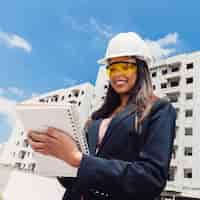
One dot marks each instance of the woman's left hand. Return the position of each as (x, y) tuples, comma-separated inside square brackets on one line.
[(55, 143)]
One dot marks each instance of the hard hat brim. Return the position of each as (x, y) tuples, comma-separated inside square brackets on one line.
[(104, 61)]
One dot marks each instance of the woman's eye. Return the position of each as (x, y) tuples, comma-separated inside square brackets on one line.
[(112, 69), (125, 67)]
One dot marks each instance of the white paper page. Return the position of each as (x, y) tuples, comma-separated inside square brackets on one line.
[(62, 117)]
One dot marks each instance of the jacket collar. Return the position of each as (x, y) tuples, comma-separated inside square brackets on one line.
[(93, 138)]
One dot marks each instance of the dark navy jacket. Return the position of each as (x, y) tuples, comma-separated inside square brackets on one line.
[(129, 164)]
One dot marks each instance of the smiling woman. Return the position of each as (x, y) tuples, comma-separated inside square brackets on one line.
[(130, 137)]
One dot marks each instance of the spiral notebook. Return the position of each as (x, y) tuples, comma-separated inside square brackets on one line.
[(64, 117)]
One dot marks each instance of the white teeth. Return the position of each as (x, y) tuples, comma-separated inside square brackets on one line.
[(120, 82)]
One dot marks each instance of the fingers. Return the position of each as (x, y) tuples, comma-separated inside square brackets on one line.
[(37, 136), (40, 142), (56, 133), (53, 132), (36, 145), (42, 151)]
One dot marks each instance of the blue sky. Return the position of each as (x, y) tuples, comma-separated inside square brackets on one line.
[(48, 45)]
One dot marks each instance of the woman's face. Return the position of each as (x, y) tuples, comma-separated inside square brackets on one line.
[(121, 82)]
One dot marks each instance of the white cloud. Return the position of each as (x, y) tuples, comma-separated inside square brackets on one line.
[(35, 94), (161, 48), (15, 91), (92, 26), (2, 91), (102, 29), (12, 91), (70, 82), (75, 25), (7, 108), (15, 41), (164, 46), (169, 39)]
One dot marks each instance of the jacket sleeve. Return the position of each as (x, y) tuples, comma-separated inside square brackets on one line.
[(147, 175)]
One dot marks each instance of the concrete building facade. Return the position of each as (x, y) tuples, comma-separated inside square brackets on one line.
[(176, 78)]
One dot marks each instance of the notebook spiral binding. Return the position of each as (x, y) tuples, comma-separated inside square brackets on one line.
[(78, 133)]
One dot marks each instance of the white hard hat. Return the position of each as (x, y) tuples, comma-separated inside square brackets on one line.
[(126, 44)]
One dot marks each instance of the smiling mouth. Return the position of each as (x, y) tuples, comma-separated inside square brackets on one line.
[(120, 82)]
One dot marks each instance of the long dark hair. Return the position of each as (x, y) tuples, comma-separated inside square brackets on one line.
[(140, 95)]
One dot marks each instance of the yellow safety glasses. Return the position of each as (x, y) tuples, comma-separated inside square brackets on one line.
[(123, 67)]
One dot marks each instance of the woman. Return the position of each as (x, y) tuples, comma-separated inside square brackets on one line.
[(130, 137)]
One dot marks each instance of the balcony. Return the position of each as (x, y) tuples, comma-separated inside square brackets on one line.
[(172, 86), (172, 70), (171, 89), (172, 186), (172, 75)]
